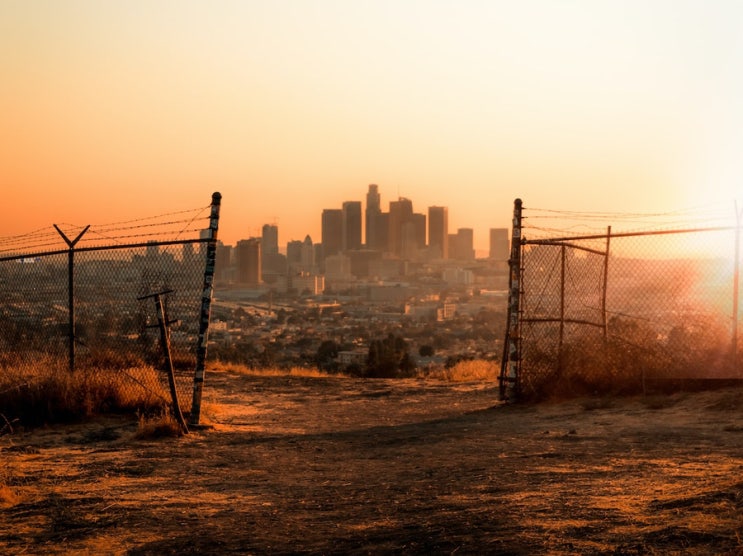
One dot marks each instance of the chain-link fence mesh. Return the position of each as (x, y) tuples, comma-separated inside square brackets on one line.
[(624, 311), (115, 330)]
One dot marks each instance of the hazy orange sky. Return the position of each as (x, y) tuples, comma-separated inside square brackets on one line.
[(112, 110)]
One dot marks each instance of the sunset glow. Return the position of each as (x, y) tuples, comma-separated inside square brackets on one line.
[(117, 109)]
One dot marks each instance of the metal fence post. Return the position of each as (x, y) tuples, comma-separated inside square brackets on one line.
[(511, 362), (736, 285), (206, 302), (71, 290)]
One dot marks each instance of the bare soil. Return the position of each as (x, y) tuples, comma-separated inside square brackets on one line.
[(295, 465)]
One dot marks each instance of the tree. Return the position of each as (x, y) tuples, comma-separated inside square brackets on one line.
[(387, 357), (326, 355)]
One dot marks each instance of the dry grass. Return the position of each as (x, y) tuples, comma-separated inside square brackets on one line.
[(467, 371), (161, 425), (46, 392), (271, 371), (464, 371)]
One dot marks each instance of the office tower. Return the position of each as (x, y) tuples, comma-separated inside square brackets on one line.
[(308, 254), (500, 249), (332, 232), (438, 231), (461, 246), (294, 253), (248, 261), (419, 229), (401, 212), (351, 225), (270, 239), (222, 261), (373, 219)]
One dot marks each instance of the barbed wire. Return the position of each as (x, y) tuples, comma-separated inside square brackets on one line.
[(568, 222), (162, 225)]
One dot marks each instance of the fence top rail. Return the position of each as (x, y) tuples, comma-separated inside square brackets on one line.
[(607, 234), (23, 256)]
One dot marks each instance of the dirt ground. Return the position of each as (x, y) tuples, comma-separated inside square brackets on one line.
[(296, 465)]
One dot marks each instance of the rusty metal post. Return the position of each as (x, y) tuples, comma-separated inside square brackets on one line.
[(736, 285), (164, 324), (511, 361), (71, 291), (561, 337), (604, 295), (206, 302)]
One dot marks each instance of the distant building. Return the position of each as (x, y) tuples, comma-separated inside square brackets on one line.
[(351, 227), (294, 253), (419, 230), (307, 284), (270, 239), (338, 267), (332, 232), (458, 276), (301, 255), (223, 262), (438, 231), (401, 213), (308, 254), (248, 261), (500, 249), (374, 235), (461, 245)]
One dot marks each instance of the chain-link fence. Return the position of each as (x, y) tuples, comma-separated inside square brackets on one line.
[(622, 311), (85, 307)]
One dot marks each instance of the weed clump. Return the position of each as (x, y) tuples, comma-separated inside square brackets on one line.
[(159, 425), (49, 393)]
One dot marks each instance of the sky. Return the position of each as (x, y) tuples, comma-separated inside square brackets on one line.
[(112, 110)]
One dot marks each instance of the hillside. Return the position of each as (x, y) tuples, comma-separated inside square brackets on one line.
[(339, 465)]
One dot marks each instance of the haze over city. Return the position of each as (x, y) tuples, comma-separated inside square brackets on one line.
[(117, 110)]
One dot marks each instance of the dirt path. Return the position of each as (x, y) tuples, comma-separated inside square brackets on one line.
[(338, 466)]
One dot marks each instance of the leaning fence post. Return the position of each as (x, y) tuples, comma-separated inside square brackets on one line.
[(164, 325), (511, 362), (71, 290), (736, 285), (206, 303)]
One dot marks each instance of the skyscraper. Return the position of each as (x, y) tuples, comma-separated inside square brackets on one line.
[(248, 261), (308, 254), (465, 239), (499, 244), (270, 239), (294, 253), (351, 225), (401, 212), (332, 232), (373, 219), (438, 231)]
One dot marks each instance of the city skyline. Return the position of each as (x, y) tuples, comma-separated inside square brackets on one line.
[(343, 229), (114, 110)]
